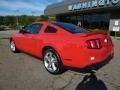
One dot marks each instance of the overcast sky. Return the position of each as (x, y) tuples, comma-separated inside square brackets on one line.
[(24, 7)]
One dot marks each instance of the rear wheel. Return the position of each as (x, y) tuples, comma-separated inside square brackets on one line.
[(13, 47), (52, 62)]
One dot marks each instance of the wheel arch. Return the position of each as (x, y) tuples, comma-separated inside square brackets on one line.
[(55, 49), (11, 39), (47, 47)]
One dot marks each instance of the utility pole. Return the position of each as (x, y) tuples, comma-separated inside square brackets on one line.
[(32, 12), (17, 19)]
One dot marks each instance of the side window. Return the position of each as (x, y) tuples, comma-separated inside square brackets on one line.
[(50, 30), (34, 28)]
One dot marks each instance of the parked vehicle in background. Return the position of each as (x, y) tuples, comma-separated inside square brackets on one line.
[(4, 28), (62, 44)]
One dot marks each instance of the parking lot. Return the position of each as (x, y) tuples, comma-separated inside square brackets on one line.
[(23, 72)]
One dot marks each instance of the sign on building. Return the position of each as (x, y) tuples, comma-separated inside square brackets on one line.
[(114, 25), (92, 4)]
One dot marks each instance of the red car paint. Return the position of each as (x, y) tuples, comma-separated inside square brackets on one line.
[(72, 48)]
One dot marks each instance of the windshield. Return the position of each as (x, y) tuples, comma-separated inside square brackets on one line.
[(70, 27)]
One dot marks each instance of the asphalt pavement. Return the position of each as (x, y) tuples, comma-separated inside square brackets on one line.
[(21, 71)]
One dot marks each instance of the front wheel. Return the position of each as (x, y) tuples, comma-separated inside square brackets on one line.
[(13, 47), (52, 62)]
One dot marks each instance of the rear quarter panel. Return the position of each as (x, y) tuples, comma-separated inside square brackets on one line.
[(62, 42)]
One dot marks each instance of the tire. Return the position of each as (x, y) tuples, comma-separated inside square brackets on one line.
[(13, 47), (52, 62)]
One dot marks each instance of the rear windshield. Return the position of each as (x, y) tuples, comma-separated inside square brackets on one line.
[(70, 27)]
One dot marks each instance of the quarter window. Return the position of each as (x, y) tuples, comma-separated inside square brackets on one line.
[(50, 30)]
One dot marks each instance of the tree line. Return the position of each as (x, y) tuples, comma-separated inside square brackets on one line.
[(14, 21)]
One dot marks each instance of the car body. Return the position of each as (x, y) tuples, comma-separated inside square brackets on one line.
[(77, 49)]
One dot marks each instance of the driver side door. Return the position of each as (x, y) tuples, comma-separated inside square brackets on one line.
[(29, 38)]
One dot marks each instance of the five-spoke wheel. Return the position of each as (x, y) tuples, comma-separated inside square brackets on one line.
[(52, 62)]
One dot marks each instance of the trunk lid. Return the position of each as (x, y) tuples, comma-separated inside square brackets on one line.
[(98, 39)]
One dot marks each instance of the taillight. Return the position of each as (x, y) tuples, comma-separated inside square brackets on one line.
[(94, 44), (107, 40)]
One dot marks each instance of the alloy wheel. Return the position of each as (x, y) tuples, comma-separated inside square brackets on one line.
[(50, 61)]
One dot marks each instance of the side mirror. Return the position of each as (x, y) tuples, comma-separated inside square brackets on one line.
[(22, 31)]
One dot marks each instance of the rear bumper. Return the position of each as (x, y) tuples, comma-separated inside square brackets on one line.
[(95, 66), (99, 65), (82, 58)]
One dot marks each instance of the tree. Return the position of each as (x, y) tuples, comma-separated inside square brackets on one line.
[(42, 18), (52, 19), (23, 20)]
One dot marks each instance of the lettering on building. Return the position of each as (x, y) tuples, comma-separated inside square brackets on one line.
[(92, 4)]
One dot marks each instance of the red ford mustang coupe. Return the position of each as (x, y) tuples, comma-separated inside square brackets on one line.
[(62, 44)]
